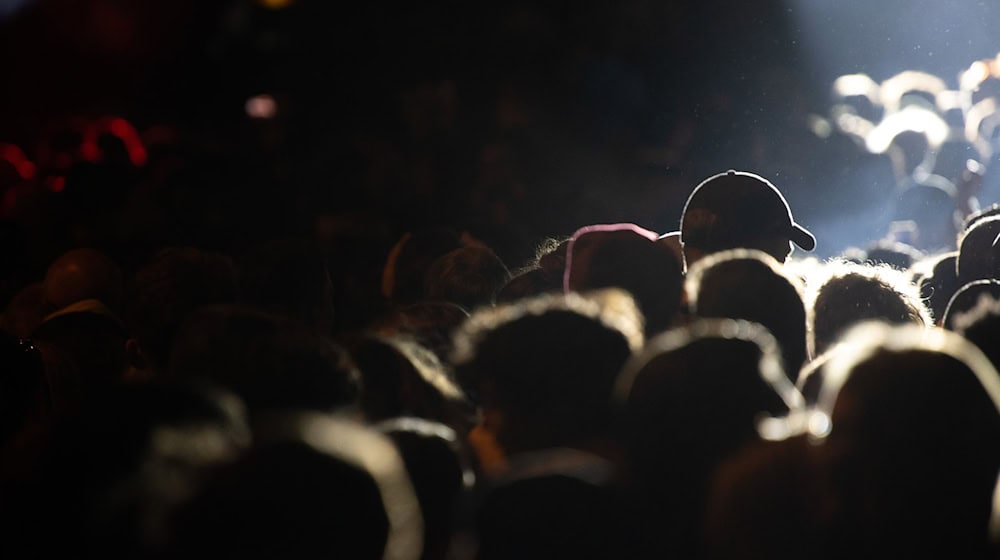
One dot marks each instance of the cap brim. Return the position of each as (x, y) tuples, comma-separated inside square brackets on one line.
[(801, 237)]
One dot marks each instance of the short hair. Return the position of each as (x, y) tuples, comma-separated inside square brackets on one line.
[(937, 286), (273, 363), (739, 209), (845, 294), (628, 257), (543, 274), (981, 326), (979, 252), (914, 415), (967, 297), (548, 364), (751, 285), (401, 378), (693, 398), (470, 277), (317, 485)]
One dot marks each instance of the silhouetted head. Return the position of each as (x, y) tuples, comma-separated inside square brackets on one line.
[(440, 472), (937, 286), (693, 398), (968, 297), (270, 362), (929, 202), (981, 326), (470, 277), (845, 294), (543, 275), (313, 487), (628, 257), (979, 252), (401, 378), (695, 394), (543, 369), (750, 285), (739, 210), (910, 441), (108, 479), (406, 266), (82, 274), (991, 211)]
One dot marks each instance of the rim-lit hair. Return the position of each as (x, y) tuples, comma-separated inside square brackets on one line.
[(612, 307), (868, 339), (769, 366)]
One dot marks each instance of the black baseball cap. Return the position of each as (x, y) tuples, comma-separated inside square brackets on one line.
[(730, 210)]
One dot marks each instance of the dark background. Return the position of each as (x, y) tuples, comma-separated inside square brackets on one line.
[(515, 120)]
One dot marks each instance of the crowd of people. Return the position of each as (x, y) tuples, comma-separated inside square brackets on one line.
[(172, 391)]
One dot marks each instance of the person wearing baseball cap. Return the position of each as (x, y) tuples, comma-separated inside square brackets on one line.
[(737, 209)]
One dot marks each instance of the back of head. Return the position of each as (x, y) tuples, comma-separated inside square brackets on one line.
[(929, 202), (739, 210), (79, 275), (543, 369), (695, 394), (407, 264), (175, 283), (272, 363), (544, 274), (108, 479), (326, 488), (981, 326), (470, 277), (915, 415), (750, 285), (401, 378), (849, 294), (979, 252), (968, 297), (628, 257), (937, 287), (693, 398)]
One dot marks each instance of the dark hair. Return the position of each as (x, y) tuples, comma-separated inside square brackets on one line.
[(470, 277), (406, 267), (627, 257), (846, 294), (937, 287), (175, 283), (272, 363), (316, 487), (749, 284), (401, 378), (548, 365)]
